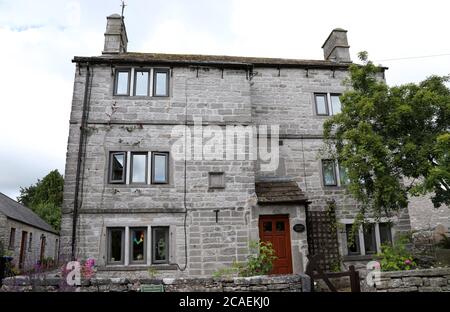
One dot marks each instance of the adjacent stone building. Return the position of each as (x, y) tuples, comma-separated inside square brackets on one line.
[(25, 236), (131, 204)]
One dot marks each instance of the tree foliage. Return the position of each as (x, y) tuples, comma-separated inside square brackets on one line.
[(45, 198), (394, 141)]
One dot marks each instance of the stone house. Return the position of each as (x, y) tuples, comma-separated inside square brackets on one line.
[(130, 204), (25, 236)]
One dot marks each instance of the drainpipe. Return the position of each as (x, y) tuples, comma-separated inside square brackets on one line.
[(83, 128)]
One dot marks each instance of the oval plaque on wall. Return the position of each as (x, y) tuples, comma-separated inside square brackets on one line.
[(299, 228)]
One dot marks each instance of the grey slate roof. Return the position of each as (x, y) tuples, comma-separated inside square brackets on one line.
[(19, 212), (272, 192), (198, 59)]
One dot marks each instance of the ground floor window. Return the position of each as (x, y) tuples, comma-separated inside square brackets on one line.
[(160, 244), (368, 238), (138, 242), (116, 245), (138, 245)]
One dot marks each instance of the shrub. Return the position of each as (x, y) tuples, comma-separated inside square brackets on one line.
[(396, 257), (260, 262)]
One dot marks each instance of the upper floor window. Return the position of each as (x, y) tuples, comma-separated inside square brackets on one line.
[(122, 82), (333, 173), (117, 167), (160, 167), (132, 167), (142, 82), (139, 167), (161, 82), (321, 100), (327, 104)]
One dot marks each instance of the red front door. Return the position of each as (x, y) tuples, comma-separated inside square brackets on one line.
[(275, 229)]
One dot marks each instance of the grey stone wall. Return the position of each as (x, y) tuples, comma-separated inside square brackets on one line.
[(282, 97), (280, 283), (429, 280)]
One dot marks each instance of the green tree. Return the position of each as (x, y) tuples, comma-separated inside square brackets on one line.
[(45, 198), (394, 141)]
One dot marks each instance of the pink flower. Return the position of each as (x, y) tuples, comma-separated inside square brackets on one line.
[(408, 262)]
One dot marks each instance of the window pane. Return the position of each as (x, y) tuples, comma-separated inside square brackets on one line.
[(369, 239), (122, 83), (141, 83), (335, 104), (160, 168), (329, 175), (116, 245), (139, 162), (385, 234), (138, 242), (12, 238), (321, 104), (279, 226), (160, 244), (267, 226), (352, 241), (343, 175), (118, 167), (161, 84)]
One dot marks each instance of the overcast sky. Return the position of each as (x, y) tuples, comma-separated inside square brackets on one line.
[(39, 38)]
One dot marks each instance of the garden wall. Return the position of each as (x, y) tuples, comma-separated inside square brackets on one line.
[(279, 283), (427, 280)]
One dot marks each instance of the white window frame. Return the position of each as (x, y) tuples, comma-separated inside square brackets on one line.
[(362, 246)]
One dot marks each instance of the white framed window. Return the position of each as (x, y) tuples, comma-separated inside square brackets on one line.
[(327, 104), (367, 239)]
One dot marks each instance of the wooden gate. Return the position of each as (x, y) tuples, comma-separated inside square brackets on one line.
[(322, 238)]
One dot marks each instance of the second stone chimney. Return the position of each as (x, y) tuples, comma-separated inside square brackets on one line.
[(336, 47), (116, 39)]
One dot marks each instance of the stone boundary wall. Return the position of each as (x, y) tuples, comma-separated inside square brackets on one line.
[(426, 280), (278, 283)]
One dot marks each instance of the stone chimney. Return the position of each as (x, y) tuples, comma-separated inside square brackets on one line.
[(336, 47), (116, 39)]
